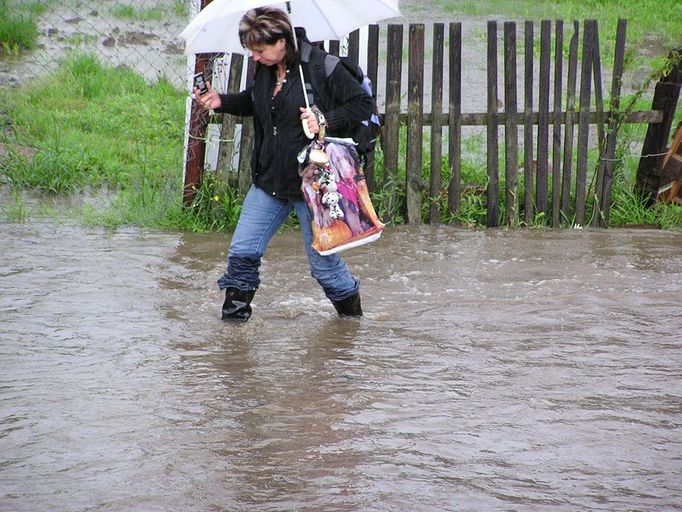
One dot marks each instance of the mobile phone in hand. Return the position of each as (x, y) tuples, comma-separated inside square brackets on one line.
[(200, 83)]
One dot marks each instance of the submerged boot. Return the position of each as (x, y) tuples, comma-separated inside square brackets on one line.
[(237, 306), (350, 306)]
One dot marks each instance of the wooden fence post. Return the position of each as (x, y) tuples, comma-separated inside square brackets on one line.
[(196, 143), (584, 121), (606, 163), (246, 145), (528, 165), (511, 136), (601, 138), (493, 191), (543, 116), (391, 133), (415, 112), (556, 133), (571, 83), (455, 118), (436, 121), (666, 95), (372, 70), (354, 46)]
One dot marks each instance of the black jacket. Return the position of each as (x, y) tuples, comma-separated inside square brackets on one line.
[(279, 135)]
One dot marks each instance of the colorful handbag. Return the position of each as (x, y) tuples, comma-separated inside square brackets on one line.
[(334, 188)]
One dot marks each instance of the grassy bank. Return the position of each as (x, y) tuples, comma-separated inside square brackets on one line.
[(18, 27), (91, 126)]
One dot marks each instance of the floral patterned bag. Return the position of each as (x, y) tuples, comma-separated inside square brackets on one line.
[(334, 188)]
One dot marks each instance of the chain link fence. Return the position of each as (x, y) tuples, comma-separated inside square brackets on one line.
[(140, 34)]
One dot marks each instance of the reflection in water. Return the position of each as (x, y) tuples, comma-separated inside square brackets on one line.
[(493, 370)]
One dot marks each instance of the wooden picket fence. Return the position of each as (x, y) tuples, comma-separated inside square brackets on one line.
[(555, 185)]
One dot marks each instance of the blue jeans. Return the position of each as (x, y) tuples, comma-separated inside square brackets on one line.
[(261, 217)]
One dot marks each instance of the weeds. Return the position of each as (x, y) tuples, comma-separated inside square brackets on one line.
[(18, 27)]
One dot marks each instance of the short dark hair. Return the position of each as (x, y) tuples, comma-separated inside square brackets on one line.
[(267, 25)]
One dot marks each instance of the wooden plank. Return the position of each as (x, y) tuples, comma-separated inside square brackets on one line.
[(228, 125), (493, 192), (454, 120), (354, 46), (666, 95), (598, 91), (583, 122), (392, 121), (609, 163), (481, 118), (415, 110), (195, 156), (556, 120), (511, 136), (372, 68), (599, 103), (246, 145), (334, 47), (195, 149), (543, 111), (436, 125), (528, 123), (371, 72)]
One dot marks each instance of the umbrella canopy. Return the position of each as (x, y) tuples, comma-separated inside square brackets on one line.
[(215, 28)]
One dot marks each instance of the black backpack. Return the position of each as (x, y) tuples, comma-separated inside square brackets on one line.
[(320, 66)]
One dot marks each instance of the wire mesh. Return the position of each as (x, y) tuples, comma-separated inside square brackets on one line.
[(140, 34)]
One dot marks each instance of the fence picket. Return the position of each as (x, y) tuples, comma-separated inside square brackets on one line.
[(556, 134), (528, 166), (571, 82), (583, 122), (415, 111), (493, 189), (354, 46), (511, 135), (247, 140), (436, 123), (391, 134), (372, 71), (599, 102), (455, 118), (614, 121), (543, 110)]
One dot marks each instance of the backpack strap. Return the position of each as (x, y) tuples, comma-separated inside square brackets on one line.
[(313, 64)]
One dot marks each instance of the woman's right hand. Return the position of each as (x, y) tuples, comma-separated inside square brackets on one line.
[(208, 101)]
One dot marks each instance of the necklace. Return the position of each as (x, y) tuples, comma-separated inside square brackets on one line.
[(282, 79)]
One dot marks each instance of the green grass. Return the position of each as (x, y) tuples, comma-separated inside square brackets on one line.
[(95, 126), (18, 28), (129, 13), (155, 13), (648, 21), (102, 128)]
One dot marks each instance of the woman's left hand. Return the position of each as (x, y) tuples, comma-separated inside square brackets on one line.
[(308, 117)]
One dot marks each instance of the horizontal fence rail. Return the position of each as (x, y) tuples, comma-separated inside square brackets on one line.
[(553, 112)]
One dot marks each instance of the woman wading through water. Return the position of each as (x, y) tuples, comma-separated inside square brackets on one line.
[(274, 99)]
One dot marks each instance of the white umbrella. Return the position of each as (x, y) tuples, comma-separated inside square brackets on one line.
[(215, 28)]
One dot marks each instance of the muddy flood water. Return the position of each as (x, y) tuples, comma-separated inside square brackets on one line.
[(493, 370)]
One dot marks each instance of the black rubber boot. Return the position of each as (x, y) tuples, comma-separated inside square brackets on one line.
[(350, 306), (237, 306)]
